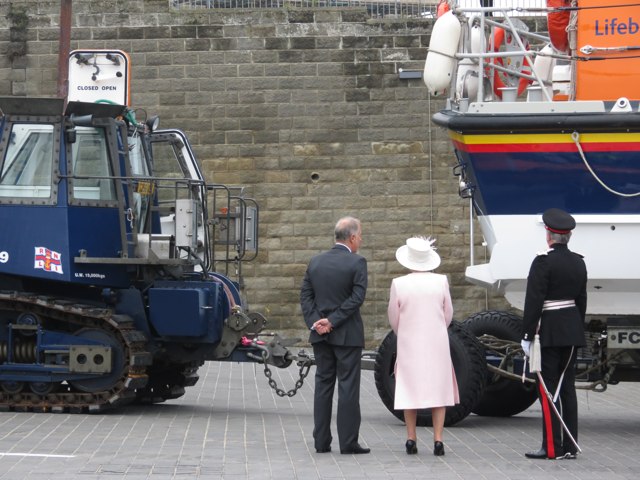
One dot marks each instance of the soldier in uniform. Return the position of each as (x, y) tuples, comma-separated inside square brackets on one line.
[(555, 306)]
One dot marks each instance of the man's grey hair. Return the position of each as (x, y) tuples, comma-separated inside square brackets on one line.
[(346, 227), (560, 237)]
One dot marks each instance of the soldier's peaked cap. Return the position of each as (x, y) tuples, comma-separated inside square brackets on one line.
[(558, 221)]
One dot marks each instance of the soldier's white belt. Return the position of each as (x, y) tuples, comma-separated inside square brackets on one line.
[(557, 304)]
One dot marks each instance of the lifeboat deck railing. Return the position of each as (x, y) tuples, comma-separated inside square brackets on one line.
[(375, 8), (486, 61)]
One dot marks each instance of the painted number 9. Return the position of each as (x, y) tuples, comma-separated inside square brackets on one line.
[(4, 257)]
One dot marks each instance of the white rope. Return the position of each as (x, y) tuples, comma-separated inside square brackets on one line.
[(557, 393), (575, 136)]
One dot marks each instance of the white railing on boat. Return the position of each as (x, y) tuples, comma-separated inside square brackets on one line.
[(515, 8), (521, 61)]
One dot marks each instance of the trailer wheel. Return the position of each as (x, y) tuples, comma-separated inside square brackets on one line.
[(467, 355), (502, 397)]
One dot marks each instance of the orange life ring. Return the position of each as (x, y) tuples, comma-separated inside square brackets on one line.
[(557, 23), (443, 7), (498, 40)]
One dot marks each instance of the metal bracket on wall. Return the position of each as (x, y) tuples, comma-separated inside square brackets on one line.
[(408, 74)]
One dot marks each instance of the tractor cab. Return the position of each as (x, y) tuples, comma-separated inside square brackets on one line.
[(92, 196)]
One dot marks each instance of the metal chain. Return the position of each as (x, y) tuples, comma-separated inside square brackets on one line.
[(305, 365)]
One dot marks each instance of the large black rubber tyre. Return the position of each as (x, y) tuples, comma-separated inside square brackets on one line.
[(502, 397), (467, 355)]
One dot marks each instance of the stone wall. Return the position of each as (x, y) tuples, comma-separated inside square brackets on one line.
[(304, 107)]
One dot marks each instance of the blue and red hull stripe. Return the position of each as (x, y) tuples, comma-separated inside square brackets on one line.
[(525, 173)]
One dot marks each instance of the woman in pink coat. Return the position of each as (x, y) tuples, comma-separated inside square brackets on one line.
[(419, 312)]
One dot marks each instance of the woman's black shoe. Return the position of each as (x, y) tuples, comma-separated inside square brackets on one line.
[(438, 449), (411, 447)]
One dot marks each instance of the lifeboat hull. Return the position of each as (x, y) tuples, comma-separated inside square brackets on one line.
[(517, 166)]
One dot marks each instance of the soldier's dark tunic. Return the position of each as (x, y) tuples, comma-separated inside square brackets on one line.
[(557, 298)]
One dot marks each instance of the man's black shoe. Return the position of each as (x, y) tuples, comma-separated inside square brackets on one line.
[(539, 454), (323, 450), (356, 449)]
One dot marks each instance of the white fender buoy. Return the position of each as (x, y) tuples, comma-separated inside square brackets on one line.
[(543, 66), (478, 40), (440, 62)]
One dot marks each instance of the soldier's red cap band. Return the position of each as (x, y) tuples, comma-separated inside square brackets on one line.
[(559, 232)]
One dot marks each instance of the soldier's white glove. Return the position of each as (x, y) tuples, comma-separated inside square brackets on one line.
[(526, 344)]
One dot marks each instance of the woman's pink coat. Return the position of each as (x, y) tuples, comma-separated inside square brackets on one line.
[(420, 311)]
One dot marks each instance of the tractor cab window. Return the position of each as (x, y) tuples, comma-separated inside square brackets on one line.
[(177, 176), (143, 187), (181, 190), (169, 167), (27, 165), (92, 172)]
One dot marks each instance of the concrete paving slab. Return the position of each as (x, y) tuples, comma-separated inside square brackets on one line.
[(232, 425)]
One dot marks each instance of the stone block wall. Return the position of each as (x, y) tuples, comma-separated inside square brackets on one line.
[(303, 107)]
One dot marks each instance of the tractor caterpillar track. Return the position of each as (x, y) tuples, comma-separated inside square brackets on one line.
[(75, 316)]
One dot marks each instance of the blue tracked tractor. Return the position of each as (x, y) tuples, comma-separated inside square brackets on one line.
[(114, 260)]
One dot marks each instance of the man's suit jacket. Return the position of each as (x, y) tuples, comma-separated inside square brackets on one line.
[(334, 287)]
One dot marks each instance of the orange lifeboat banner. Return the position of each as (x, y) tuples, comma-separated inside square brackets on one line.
[(617, 74)]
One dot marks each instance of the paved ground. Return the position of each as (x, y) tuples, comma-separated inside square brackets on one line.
[(232, 426)]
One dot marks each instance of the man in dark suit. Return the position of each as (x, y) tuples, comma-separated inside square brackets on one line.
[(555, 306), (333, 290)]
